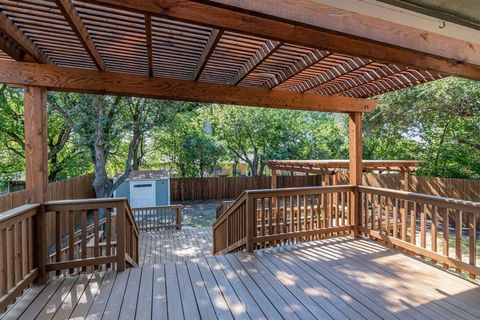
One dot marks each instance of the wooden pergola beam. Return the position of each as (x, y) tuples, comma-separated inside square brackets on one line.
[(14, 39), (73, 18), (105, 82), (265, 51), (207, 52), (229, 16)]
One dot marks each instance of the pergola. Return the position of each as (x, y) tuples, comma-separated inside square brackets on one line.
[(332, 167), (258, 53)]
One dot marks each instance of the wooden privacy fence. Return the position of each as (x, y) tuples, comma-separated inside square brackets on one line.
[(157, 218), (422, 224), (231, 187), (182, 189), (467, 189), (266, 218), (89, 234), (75, 188)]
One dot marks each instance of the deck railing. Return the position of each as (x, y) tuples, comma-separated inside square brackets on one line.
[(157, 218), (223, 207), (436, 228), (266, 218), (18, 266), (90, 234)]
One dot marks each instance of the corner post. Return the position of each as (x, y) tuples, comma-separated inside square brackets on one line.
[(355, 167), (274, 179), (178, 221), (36, 170), (250, 220), (405, 180), (121, 241)]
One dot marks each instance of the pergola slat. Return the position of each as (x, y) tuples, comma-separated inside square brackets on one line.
[(12, 33), (71, 15), (217, 15)]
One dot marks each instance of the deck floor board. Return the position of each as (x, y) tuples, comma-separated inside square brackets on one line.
[(342, 278)]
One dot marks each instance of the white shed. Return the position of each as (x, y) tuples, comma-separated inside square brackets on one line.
[(146, 189)]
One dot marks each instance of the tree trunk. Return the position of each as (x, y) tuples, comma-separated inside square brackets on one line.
[(100, 184)]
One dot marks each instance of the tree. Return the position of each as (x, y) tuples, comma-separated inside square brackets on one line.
[(61, 155), (106, 124), (437, 122), (255, 135), (185, 143)]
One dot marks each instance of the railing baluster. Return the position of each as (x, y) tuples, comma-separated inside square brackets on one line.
[(434, 236), (445, 227), (96, 230), (372, 211), (305, 218), (25, 247), (458, 237), (387, 212), (58, 239), (423, 231), (3, 262), (71, 237), (291, 226), (10, 257), (378, 205), (404, 219), (395, 218), (413, 223), (108, 230), (18, 251), (472, 230)]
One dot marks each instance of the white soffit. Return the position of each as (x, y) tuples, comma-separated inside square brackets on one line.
[(406, 17)]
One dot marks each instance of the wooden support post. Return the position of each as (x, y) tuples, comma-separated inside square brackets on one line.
[(36, 168), (405, 180), (355, 166), (274, 179), (36, 144)]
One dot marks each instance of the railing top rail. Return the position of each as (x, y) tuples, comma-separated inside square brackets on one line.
[(302, 190), (84, 204), (12, 213), (131, 217), (241, 198), (459, 204), (174, 206), (81, 201)]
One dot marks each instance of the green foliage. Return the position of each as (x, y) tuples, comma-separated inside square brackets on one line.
[(185, 143), (438, 122)]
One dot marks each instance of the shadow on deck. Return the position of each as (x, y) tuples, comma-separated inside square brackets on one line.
[(342, 278)]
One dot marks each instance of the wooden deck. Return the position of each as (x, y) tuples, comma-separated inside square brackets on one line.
[(158, 247), (341, 278)]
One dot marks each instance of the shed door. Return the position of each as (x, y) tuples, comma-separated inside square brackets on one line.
[(142, 194)]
